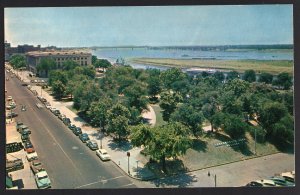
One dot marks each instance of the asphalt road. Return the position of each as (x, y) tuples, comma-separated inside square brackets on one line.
[(69, 163)]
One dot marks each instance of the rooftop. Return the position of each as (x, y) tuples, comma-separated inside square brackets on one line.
[(57, 53)]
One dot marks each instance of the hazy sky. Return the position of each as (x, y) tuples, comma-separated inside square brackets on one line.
[(154, 26)]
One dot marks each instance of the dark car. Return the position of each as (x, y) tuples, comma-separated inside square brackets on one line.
[(281, 181), (71, 127), (77, 131), (84, 137), (28, 147), (25, 132), (25, 138), (56, 112), (66, 121), (19, 123), (92, 144), (11, 114)]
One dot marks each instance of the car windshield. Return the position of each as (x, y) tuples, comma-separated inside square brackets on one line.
[(37, 163), (43, 177)]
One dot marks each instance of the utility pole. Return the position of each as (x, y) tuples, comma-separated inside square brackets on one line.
[(128, 154)]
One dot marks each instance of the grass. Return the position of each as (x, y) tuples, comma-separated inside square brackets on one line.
[(270, 66), (159, 119)]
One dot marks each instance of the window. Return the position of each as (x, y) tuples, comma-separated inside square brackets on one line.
[(85, 63)]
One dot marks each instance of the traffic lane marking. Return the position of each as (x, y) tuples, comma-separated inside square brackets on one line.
[(103, 181)]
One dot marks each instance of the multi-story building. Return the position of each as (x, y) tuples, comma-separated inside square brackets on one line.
[(34, 58)]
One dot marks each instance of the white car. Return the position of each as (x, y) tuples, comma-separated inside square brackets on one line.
[(32, 156), (42, 180), (47, 104), (52, 109), (102, 153), (9, 98)]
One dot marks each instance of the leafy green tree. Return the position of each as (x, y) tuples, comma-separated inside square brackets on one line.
[(190, 117), (168, 141), (170, 76), (118, 119), (168, 103), (57, 75), (85, 70), (102, 63), (94, 59), (283, 80), (58, 89), (219, 76), (154, 87), (234, 126), (272, 112), (135, 116), (45, 65), (141, 135), (233, 75), (135, 95), (69, 65), (204, 74), (181, 87), (209, 110), (265, 78), (218, 120), (98, 112), (250, 76), (17, 61), (260, 133), (237, 86), (283, 130)]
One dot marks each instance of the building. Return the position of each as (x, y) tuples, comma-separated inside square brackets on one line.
[(34, 58), (20, 49)]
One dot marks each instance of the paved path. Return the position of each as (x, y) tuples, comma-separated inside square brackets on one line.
[(150, 116)]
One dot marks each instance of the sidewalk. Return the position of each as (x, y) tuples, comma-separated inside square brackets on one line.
[(118, 153)]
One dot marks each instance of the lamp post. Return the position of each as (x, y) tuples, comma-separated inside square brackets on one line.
[(215, 178), (137, 165), (128, 155), (255, 141), (100, 135)]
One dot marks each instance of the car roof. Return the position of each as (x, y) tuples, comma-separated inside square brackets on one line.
[(42, 174), (102, 150), (32, 154)]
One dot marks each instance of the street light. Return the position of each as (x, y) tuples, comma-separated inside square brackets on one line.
[(255, 141), (215, 178)]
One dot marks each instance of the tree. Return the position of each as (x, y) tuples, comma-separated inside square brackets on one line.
[(85, 70), (69, 65), (135, 95), (265, 78), (250, 76), (45, 65), (98, 112), (57, 75), (94, 59), (118, 118), (141, 135), (58, 89), (190, 117), (283, 131), (233, 75), (208, 110), (271, 113), (283, 80), (237, 86), (167, 141), (234, 126), (154, 87), (170, 76), (168, 103), (17, 61), (219, 76), (102, 63)]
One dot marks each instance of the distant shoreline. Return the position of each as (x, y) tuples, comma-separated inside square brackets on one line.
[(259, 66)]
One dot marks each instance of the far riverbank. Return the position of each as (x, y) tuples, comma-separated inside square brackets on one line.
[(259, 66)]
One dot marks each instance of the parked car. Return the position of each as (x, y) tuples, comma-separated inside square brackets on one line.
[(9, 98), (32, 156), (28, 147), (61, 116), (20, 127), (92, 144), (42, 180), (56, 112), (102, 153), (77, 131), (84, 137), (42, 99), (25, 131), (48, 105), (267, 182), (71, 127), (11, 114), (66, 121), (36, 166), (25, 138), (254, 184), (289, 176), (52, 109), (281, 181)]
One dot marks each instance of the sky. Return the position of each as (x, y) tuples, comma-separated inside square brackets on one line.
[(151, 26)]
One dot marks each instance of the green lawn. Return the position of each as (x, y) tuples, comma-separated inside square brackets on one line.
[(159, 119)]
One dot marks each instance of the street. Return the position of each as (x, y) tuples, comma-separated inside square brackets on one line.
[(69, 163)]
